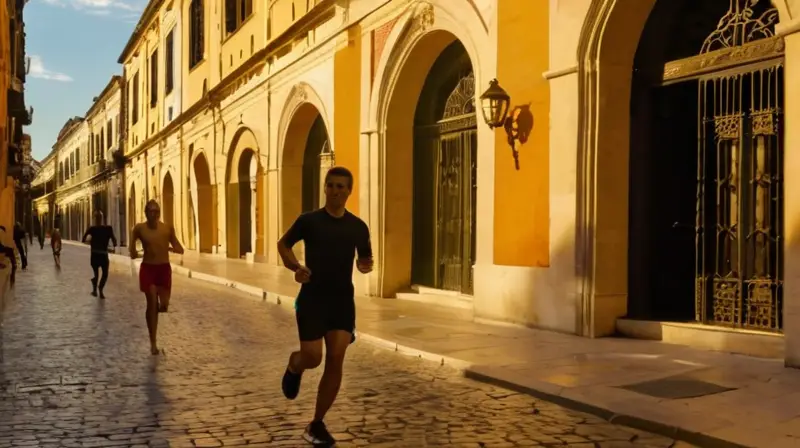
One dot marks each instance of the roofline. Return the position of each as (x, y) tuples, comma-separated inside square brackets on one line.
[(69, 132), (114, 81), (148, 13)]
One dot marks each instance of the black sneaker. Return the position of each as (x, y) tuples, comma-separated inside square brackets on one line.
[(317, 434), (291, 384)]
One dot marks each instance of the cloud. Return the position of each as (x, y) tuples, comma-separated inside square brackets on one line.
[(37, 70), (101, 7)]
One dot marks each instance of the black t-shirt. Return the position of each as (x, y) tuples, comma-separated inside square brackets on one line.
[(101, 235), (331, 244)]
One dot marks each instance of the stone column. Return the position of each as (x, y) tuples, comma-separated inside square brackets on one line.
[(791, 188)]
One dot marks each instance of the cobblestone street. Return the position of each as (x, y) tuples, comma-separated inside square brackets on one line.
[(76, 371)]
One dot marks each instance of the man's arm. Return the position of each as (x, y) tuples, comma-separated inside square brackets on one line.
[(132, 241), (83, 240), (288, 240), (173, 240), (364, 250)]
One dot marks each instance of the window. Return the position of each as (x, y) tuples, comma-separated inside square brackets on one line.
[(77, 158), (135, 105), (109, 134), (196, 37), (154, 78), (90, 147), (169, 59), (236, 12)]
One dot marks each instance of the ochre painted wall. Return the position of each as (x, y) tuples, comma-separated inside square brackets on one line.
[(521, 198), (347, 108)]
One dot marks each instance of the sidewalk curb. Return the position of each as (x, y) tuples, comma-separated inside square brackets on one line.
[(466, 368), (671, 431)]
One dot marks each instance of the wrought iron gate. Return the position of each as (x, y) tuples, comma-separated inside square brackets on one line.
[(455, 189), (739, 225)]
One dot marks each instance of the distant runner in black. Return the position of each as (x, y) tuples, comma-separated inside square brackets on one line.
[(98, 237), (325, 307)]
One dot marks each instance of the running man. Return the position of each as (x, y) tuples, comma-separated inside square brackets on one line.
[(99, 236), (55, 244), (325, 307), (155, 274)]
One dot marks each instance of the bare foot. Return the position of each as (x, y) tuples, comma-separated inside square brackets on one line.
[(102, 296), (94, 293), (154, 351)]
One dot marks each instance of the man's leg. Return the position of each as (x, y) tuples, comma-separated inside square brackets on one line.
[(95, 268), (151, 315), (311, 331), (104, 277), (336, 343), (164, 289), (22, 255)]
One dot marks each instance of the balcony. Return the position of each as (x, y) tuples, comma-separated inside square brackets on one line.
[(17, 85)]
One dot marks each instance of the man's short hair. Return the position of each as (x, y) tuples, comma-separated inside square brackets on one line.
[(340, 171), (151, 203)]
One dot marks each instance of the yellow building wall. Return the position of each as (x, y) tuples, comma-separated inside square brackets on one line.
[(196, 77), (347, 108), (240, 45), (521, 197), (6, 183)]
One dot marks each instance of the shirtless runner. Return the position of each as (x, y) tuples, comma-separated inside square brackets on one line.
[(155, 274)]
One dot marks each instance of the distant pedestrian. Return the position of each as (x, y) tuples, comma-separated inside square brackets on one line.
[(155, 273), (325, 307), (98, 236), (19, 241), (55, 244)]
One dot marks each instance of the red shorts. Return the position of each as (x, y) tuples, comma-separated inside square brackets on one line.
[(158, 275)]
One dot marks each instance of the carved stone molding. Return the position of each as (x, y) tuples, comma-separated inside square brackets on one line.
[(760, 50), (422, 19)]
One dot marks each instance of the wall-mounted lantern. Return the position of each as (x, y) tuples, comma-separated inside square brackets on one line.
[(495, 104)]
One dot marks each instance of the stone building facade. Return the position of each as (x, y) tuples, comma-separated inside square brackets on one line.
[(637, 183), (79, 176)]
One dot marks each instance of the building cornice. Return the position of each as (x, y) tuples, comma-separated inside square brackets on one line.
[(141, 27), (108, 90), (315, 17)]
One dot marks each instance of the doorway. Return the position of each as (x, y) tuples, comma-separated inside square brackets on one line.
[(445, 175), (705, 167)]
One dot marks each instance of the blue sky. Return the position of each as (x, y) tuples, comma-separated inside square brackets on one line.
[(73, 46)]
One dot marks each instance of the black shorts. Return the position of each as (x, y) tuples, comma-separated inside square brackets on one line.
[(99, 260), (315, 318)]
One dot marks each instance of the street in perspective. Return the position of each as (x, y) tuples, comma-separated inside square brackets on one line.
[(402, 223), (77, 372)]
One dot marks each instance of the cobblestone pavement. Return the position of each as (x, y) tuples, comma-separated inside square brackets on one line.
[(76, 372)]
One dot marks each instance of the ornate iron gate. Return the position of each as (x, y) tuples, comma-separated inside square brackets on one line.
[(739, 225), (455, 190)]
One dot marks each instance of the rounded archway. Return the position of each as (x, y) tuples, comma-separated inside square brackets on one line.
[(430, 107), (679, 162), (168, 201), (306, 158), (245, 214), (205, 205)]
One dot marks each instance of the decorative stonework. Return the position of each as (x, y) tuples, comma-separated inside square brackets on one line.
[(725, 58), (422, 19), (379, 37)]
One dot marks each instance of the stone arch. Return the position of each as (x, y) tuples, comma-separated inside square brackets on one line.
[(204, 203), (416, 42), (303, 137), (168, 199), (608, 42), (244, 200)]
